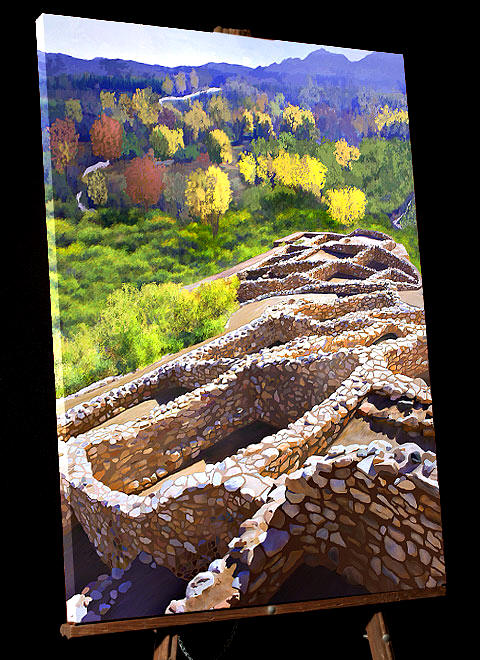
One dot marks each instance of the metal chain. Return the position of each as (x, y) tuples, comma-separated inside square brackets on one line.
[(222, 652)]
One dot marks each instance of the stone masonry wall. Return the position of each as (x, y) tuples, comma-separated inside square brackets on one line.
[(134, 456), (372, 514), (364, 264), (144, 452), (239, 527), (246, 472)]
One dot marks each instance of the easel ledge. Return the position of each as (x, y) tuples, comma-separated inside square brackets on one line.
[(71, 630)]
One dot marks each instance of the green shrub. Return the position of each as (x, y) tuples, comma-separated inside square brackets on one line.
[(138, 326), (187, 154), (79, 361)]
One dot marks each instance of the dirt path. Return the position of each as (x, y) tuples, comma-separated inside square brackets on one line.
[(234, 269), (414, 298)]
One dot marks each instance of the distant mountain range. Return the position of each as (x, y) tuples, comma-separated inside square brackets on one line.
[(377, 72)]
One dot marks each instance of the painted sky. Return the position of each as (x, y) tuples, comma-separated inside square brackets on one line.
[(88, 38)]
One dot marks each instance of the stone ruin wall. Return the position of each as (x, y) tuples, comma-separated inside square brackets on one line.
[(108, 516), (125, 456), (363, 280), (293, 271), (149, 450), (181, 530), (370, 514), (310, 386)]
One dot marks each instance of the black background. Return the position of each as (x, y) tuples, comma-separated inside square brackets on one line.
[(32, 542)]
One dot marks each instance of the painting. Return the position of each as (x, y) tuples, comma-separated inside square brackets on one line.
[(244, 409)]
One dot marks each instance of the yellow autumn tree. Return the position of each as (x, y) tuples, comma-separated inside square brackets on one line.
[(255, 168), (167, 85), (73, 110), (345, 205), (265, 171), (219, 110), (196, 119), (302, 173), (291, 170), (300, 121), (345, 153), (387, 116), (247, 119), (146, 106), (97, 187), (107, 99), (166, 141), (121, 110), (124, 110), (180, 82), (247, 166), (219, 147), (208, 195), (264, 125)]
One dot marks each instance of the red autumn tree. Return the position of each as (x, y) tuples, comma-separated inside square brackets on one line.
[(145, 182), (106, 135), (63, 143)]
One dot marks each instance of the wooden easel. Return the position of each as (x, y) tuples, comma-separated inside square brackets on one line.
[(376, 633), (378, 638), (243, 33), (167, 649)]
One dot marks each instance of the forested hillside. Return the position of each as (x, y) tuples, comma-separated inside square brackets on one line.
[(156, 178)]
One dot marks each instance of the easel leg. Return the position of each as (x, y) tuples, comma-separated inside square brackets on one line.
[(167, 649), (379, 639)]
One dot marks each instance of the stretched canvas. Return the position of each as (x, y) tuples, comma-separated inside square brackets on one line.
[(244, 409)]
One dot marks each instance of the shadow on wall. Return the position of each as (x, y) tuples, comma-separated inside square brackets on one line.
[(250, 434), (150, 592), (314, 583)]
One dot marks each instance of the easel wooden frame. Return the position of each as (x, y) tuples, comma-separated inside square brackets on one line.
[(376, 630), (71, 630)]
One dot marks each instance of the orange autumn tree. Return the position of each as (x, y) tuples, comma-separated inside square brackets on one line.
[(63, 143), (145, 181), (106, 135)]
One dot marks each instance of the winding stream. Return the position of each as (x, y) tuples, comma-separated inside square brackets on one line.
[(397, 216)]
